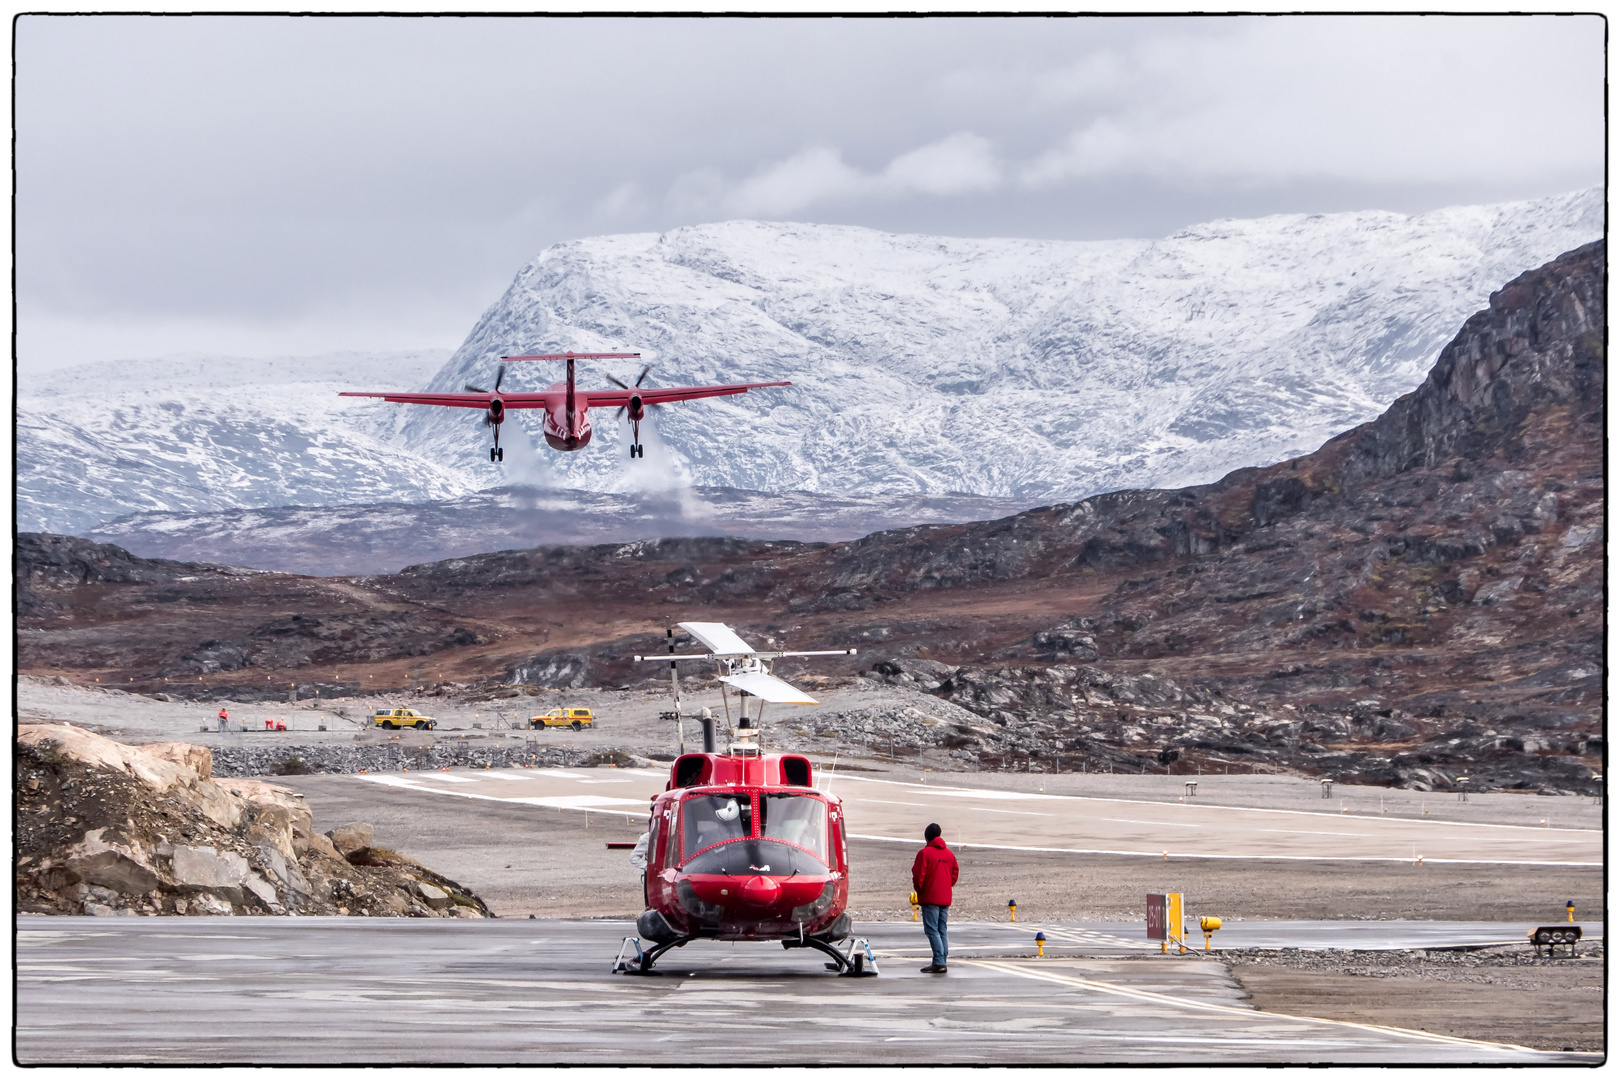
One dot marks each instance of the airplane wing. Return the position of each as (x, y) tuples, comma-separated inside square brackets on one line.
[(770, 688), (466, 401), (718, 638), (662, 395)]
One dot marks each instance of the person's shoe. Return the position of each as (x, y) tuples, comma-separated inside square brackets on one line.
[(932, 968)]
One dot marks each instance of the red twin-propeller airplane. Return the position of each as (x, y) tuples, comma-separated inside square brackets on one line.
[(568, 424)]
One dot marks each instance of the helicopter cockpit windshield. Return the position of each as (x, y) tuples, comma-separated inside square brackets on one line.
[(711, 819), (716, 835), (798, 819)]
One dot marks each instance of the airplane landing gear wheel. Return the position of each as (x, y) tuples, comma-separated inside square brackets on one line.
[(500, 454), (492, 453)]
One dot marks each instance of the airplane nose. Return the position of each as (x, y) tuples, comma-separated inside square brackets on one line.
[(760, 891)]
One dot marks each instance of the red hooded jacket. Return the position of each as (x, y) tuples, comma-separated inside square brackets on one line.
[(934, 872)]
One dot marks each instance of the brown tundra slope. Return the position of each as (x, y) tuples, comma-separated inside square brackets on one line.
[(1420, 597)]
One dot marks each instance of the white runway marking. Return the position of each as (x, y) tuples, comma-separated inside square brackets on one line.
[(993, 810), (1247, 1014), (1160, 854)]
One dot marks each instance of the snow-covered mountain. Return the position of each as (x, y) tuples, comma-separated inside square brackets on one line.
[(1036, 370), (99, 441), (1017, 369)]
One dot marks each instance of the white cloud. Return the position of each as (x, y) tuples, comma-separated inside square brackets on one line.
[(1363, 100), (955, 165), (952, 166), (626, 200), (811, 176), (292, 173)]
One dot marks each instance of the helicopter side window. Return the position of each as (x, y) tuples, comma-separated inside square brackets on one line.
[(798, 819), (711, 819)]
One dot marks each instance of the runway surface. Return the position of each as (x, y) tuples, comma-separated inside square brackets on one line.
[(354, 991), (888, 809)]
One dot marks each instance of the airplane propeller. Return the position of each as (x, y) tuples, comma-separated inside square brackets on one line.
[(635, 417), (500, 373), (496, 413), (622, 386)]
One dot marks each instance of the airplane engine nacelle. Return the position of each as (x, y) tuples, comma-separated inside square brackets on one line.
[(635, 408), (497, 412)]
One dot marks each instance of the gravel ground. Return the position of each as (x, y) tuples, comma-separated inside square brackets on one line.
[(1499, 995), (627, 719)]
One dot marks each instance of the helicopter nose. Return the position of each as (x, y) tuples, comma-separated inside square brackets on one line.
[(760, 891)]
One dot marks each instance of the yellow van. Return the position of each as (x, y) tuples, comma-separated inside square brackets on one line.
[(399, 718), (573, 718)]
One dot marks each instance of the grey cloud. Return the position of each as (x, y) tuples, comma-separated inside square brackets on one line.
[(273, 172)]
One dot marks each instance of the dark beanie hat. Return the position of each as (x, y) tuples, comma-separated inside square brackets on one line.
[(930, 832)]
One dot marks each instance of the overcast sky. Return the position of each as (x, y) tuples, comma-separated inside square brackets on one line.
[(263, 186)]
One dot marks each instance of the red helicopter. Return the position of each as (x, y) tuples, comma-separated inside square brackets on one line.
[(567, 424), (741, 846)]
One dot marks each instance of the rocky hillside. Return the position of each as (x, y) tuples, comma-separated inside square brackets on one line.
[(1423, 592), (109, 829)]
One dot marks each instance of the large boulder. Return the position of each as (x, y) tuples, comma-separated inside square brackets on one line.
[(1070, 641), (109, 860), (262, 889), (294, 884), (351, 837), (208, 868), (925, 674)]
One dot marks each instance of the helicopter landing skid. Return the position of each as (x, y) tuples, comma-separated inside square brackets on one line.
[(633, 960), (857, 963)]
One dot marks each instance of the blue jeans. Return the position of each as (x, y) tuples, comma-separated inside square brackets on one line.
[(934, 918)]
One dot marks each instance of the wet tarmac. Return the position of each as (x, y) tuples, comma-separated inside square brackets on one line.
[(393, 991)]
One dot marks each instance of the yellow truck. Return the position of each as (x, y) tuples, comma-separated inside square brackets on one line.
[(401, 718), (571, 718)]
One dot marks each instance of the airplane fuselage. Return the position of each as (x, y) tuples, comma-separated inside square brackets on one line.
[(560, 434)]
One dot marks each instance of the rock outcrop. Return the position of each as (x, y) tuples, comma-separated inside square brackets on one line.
[(109, 829)]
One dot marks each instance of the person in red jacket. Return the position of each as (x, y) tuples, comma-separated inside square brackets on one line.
[(933, 873)]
